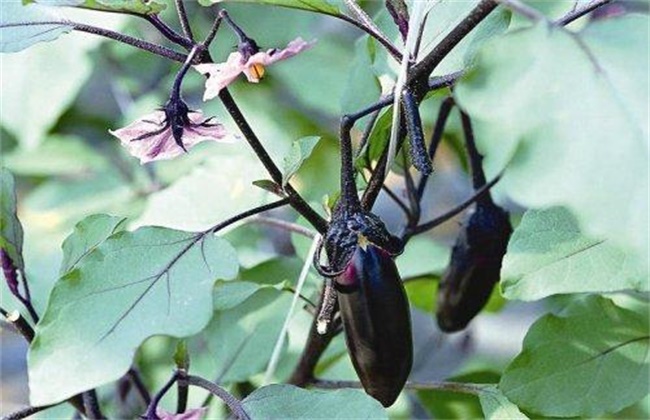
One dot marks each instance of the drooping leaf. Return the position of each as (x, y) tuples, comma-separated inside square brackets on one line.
[(549, 255), (318, 6), (300, 151), (362, 87), (563, 112), (590, 360), (87, 235), (290, 402), (496, 406), (22, 26), (11, 231), (132, 286)]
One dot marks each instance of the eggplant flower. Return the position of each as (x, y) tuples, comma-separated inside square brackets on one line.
[(170, 132), (248, 60)]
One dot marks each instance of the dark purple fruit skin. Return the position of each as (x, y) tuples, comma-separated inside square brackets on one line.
[(474, 268), (377, 322)]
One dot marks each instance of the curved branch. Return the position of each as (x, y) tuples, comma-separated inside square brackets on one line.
[(233, 403)]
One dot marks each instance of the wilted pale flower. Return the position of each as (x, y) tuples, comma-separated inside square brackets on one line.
[(251, 64), (167, 133)]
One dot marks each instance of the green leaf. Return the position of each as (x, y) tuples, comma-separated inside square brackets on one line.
[(11, 231), (130, 287), (590, 360), (300, 151), (22, 26), (421, 293), (496, 406), (57, 155), (362, 86), (145, 7), (241, 338), (25, 115), (568, 118), (318, 6), (290, 402), (548, 254), (421, 257), (87, 235)]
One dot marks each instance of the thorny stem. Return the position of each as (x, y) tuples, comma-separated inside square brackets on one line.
[(182, 17), (233, 403), (475, 158), (178, 81), (150, 414), (245, 214), (436, 137), (452, 212), (367, 22), (91, 405), (579, 12), (182, 388), (16, 319), (26, 412), (135, 378), (296, 201), (349, 196), (168, 32), (213, 31), (463, 388)]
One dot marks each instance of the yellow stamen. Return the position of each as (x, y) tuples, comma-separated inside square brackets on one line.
[(257, 70), (363, 242)]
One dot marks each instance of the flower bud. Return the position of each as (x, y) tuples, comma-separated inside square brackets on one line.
[(377, 322), (474, 268)]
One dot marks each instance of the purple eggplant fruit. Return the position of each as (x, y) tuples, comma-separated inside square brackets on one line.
[(474, 268), (376, 319)]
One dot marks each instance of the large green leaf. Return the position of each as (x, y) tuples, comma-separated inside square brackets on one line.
[(566, 113), (290, 402), (590, 360), (87, 235), (318, 6), (548, 254), (496, 406), (130, 287), (11, 231), (22, 26)]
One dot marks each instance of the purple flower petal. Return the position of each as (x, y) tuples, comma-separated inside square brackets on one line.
[(221, 75), (150, 139)]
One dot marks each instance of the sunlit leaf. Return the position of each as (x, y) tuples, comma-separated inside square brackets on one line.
[(132, 286), (591, 359), (548, 254), (145, 7), (564, 112), (290, 402)]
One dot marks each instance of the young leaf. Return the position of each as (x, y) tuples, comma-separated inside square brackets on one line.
[(24, 25), (300, 151), (590, 360), (496, 406), (290, 402), (11, 231), (586, 125), (87, 235), (130, 287), (549, 255), (317, 6)]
